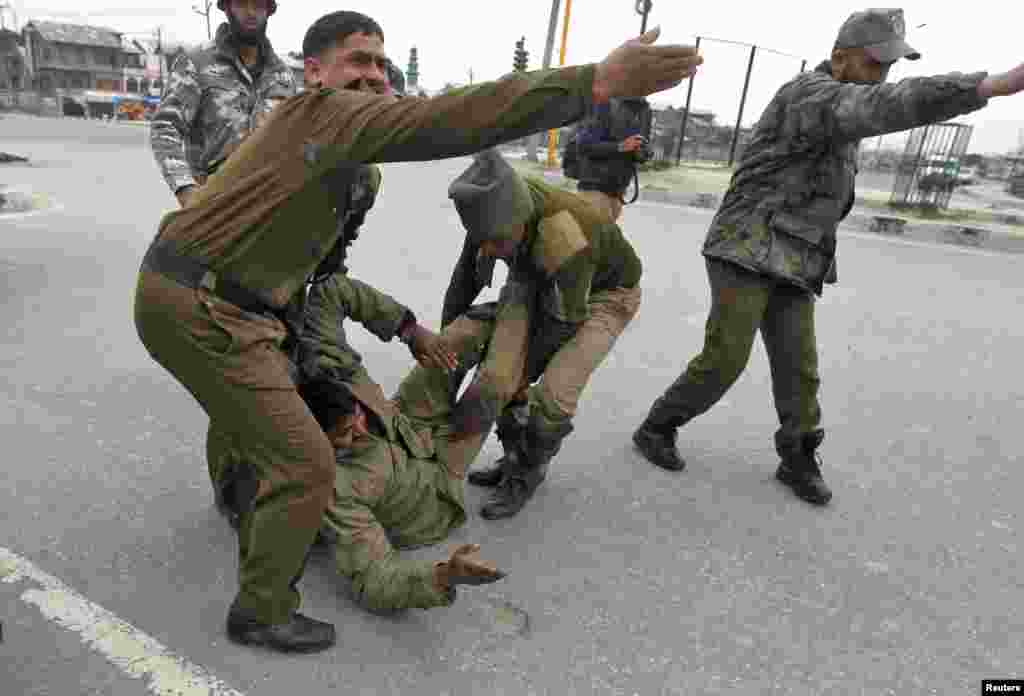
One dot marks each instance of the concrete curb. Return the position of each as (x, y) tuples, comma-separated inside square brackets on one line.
[(987, 237)]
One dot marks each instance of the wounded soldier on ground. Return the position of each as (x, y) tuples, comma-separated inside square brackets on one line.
[(399, 468)]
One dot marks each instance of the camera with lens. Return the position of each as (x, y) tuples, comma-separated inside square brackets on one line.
[(645, 153)]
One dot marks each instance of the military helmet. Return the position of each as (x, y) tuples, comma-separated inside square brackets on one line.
[(222, 5)]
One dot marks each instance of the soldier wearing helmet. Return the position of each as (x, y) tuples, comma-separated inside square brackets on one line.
[(217, 95)]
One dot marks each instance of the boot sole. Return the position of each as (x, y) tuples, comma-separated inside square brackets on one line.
[(251, 640), (795, 485), (667, 467)]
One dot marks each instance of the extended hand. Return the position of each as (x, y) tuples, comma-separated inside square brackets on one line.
[(1004, 84), (465, 569), (638, 68), (430, 350)]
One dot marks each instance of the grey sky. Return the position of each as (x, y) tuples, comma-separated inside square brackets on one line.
[(454, 36)]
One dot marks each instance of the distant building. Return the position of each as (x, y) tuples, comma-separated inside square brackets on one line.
[(144, 68), (74, 56), (13, 69)]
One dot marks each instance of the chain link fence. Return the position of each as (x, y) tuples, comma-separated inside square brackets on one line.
[(722, 103)]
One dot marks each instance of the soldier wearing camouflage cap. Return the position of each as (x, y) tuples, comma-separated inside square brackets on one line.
[(215, 96), (772, 245), (573, 288)]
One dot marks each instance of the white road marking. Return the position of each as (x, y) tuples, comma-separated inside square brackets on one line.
[(136, 654)]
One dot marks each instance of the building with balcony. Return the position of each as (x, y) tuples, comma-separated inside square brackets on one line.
[(13, 71), (74, 56)]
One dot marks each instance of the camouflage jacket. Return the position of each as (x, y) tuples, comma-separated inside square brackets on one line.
[(389, 487), (795, 181), (570, 252), (210, 104)]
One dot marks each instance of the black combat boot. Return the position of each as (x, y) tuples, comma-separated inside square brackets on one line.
[(522, 478), (300, 634), (511, 430), (800, 468), (657, 443)]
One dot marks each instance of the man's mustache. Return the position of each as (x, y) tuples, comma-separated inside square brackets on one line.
[(362, 85)]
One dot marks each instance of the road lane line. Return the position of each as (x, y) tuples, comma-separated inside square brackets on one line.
[(136, 654)]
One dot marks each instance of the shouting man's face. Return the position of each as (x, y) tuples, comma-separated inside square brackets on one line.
[(358, 63)]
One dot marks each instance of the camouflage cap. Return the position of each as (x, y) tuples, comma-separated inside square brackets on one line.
[(492, 199), (880, 32)]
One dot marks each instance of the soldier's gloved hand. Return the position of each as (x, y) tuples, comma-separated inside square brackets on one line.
[(430, 350), (1004, 84), (463, 568), (638, 68)]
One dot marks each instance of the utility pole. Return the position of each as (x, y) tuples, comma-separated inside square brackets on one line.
[(205, 12), (534, 141), (160, 57), (643, 8), (553, 134)]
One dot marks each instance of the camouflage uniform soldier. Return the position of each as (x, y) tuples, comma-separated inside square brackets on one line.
[(586, 276), (772, 244), (246, 244), (216, 96)]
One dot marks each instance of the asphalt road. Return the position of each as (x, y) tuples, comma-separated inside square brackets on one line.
[(623, 579)]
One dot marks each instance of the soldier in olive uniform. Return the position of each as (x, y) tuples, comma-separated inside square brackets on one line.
[(250, 238), (217, 95), (772, 244), (585, 276), (226, 467)]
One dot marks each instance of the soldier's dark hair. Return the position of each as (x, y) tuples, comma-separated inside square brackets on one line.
[(327, 402), (332, 29)]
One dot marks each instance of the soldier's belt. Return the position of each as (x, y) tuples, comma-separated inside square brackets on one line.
[(164, 259)]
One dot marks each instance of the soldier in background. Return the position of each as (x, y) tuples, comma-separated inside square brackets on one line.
[(772, 244), (610, 143), (217, 95)]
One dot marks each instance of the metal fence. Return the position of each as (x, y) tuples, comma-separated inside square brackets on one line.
[(930, 167), (718, 108)]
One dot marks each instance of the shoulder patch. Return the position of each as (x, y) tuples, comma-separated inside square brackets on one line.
[(559, 238)]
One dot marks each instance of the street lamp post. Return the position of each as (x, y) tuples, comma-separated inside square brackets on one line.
[(553, 134), (643, 8)]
